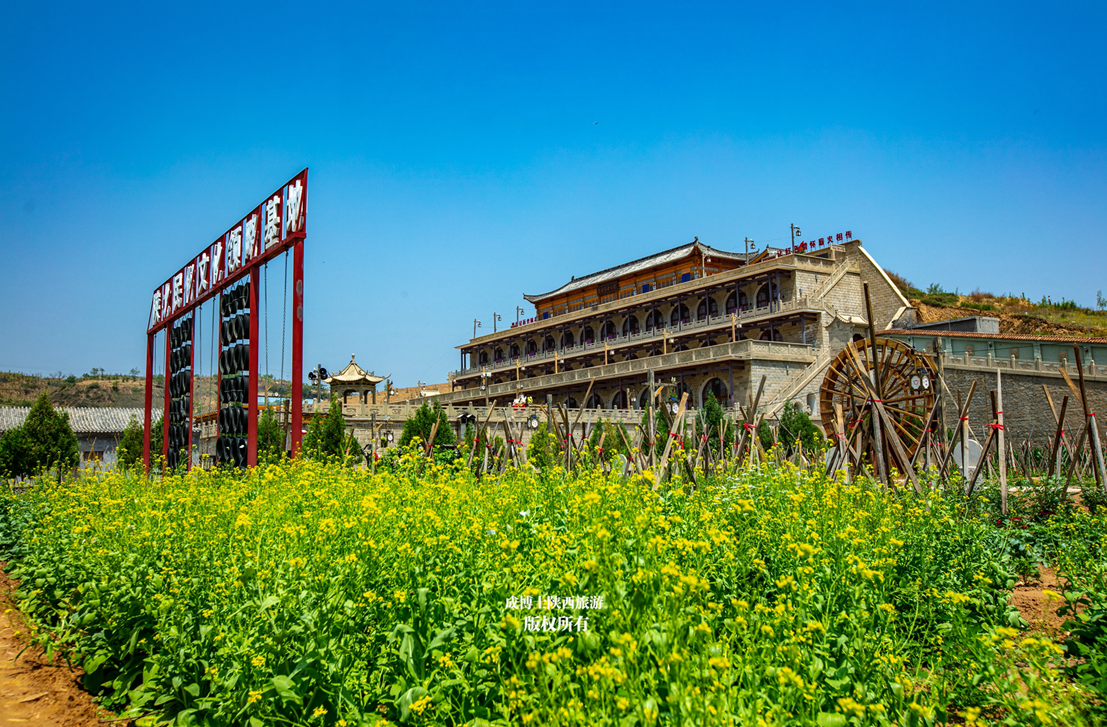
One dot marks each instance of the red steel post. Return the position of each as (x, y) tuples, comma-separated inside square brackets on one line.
[(165, 406), (146, 416), (191, 388), (252, 387), (297, 346)]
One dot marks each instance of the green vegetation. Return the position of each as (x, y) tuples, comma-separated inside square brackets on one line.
[(43, 443), (311, 594), (326, 437), (422, 423)]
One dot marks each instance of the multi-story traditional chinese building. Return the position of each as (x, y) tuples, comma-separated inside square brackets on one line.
[(702, 319)]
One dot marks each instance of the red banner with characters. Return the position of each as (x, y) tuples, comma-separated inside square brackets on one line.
[(268, 230)]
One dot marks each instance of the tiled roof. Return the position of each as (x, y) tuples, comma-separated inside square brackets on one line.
[(996, 336), (354, 374), (83, 419), (635, 266)]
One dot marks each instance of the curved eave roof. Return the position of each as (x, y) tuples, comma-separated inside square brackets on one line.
[(355, 375), (635, 266)]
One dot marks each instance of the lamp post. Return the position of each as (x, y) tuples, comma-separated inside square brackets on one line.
[(518, 312), (795, 233), (476, 325), (748, 243), (484, 384), (495, 317)]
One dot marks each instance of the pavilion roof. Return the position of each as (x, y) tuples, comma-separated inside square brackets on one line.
[(354, 374)]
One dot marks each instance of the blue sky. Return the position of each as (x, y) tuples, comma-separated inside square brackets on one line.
[(464, 155)]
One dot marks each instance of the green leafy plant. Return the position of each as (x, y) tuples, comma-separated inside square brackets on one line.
[(44, 442), (422, 422)]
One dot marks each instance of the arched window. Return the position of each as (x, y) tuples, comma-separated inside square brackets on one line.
[(571, 403), (619, 401), (594, 402), (643, 398), (567, 340), (549, 344), (630, 326), (608, 331), (680, 314), (768, 293), (737, 305), (514, 350), (718, 388), (771, 334), (710, 305), (532, 347), (588, 336), (483, 357), (655, 320), (498, 355)]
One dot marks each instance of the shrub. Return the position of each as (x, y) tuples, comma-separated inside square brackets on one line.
[(422, 422), (796, 426), (44, 442), (129, 452), (543, 450), (326, 435)]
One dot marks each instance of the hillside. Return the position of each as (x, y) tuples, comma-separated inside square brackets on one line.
[(106, 390), (118, 391), (1016, 314)]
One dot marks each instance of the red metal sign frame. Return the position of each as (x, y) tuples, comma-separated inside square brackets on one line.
[(274, 226)]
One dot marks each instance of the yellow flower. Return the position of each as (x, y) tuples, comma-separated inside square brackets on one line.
[(420, 704)]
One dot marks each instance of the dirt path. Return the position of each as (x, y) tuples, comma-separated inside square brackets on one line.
[(32, 690)]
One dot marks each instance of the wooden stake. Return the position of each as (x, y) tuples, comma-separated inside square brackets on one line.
[(1055, 451), (1089, 420), (669, 444), (1002, 449)]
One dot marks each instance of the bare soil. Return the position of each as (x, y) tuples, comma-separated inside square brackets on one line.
[(1036, 608), (32, 690)]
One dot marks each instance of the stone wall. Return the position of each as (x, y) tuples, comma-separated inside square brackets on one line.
[(1026, 411), (886, 299)]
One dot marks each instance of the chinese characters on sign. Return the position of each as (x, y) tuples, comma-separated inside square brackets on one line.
[(554, 623), (805, 246), (257, 237)]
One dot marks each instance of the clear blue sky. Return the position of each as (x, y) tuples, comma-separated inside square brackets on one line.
[(460, 158)]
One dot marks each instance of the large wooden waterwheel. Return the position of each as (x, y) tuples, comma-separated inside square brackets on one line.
[(907, 379)]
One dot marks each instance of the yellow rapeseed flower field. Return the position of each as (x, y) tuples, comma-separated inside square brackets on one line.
[(316, 595)]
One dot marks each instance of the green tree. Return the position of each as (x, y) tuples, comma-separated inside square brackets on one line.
[(129, 452), (714, 416), (661, 428), (326, 435), (612, 443), (46, 441), (796, 426), (543, 451), (270, 438), (422, 423), (12, 453), (157, 434), (765, 436)]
